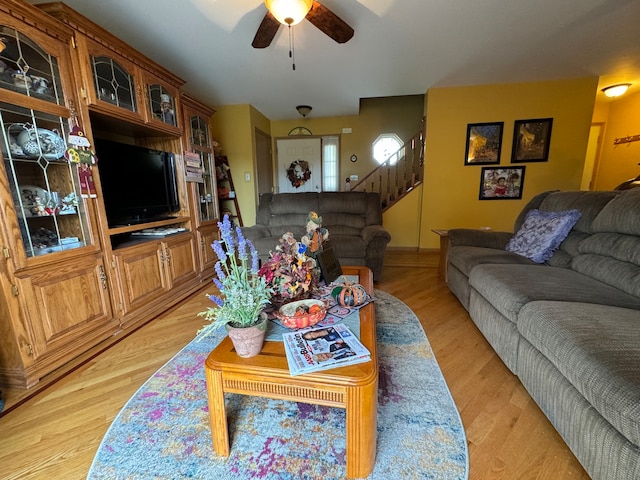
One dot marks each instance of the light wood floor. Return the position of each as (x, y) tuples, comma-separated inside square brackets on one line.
[(55, 434)]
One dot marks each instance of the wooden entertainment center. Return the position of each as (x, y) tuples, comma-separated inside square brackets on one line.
[(68, 280)]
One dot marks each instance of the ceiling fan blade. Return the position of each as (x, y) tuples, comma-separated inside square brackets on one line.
[(266, 31), (329, 23)]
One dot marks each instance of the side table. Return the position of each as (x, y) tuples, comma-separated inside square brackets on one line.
[(444, 249)]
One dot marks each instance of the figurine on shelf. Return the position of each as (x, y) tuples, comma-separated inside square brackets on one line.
[(166, 110), (69, 204), (38, 210)]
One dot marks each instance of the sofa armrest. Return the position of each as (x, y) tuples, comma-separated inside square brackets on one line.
[(479, 238), (255, 232), (371, 232)]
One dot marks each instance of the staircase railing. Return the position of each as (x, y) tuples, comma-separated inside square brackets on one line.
[(400, 173)]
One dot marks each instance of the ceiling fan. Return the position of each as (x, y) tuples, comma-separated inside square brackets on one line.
[(319, 15)]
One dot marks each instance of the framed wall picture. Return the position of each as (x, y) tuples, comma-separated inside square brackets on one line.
[(484, 141), (501, 183), (531, 139)]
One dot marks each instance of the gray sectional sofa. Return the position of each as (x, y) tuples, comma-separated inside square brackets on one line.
[(353, 219), (569, 328)]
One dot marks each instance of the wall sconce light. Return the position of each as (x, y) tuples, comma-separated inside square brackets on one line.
[(289, 12), (616, 90), (303, 110)]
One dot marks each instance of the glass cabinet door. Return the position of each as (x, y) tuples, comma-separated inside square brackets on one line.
[(162, 104), (26, 68), (113, 83), (44, 186), (201, 144)]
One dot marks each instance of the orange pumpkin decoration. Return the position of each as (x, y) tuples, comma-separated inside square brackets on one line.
[(349, 295)]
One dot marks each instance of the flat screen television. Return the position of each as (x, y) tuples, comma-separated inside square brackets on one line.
[(138, 184)]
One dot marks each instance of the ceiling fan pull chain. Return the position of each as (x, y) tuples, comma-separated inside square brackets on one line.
[(291, 49)]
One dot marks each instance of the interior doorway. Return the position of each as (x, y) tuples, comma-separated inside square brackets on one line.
[(264, 164), (592, 159)]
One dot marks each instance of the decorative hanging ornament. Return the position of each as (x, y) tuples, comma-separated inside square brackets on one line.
[(82, 154)]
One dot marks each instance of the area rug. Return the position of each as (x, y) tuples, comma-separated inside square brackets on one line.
[(163, 431)]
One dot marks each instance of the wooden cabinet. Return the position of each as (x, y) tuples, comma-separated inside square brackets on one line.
[(55, 298), (118, 81), (151, 270), (203, 198), (67, 307), (68, 281)]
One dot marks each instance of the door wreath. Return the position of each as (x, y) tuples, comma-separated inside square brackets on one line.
[(298, 172)]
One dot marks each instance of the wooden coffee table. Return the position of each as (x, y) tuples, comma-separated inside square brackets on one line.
[(354, 387)]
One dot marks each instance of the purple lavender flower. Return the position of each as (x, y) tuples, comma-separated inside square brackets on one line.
[(217, 247), (242, 244), (220, 272), (226, 233), (255, 264), (217, 300)]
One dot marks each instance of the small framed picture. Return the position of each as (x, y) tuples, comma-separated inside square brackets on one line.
[(484, 141), (330, 268), (501, 183), (531, 139)]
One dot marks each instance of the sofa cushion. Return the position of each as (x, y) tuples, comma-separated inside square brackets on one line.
[(509, 287), (597, 349), (590, 204), (541, 233), (621, 215), (613, 259), (348, 245), (464, 258)]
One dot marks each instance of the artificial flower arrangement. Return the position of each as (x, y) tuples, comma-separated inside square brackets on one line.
[(292, 270), (245, 291), (289, 271)]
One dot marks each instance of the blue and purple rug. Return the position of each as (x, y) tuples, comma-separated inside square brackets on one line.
[(163, 431)]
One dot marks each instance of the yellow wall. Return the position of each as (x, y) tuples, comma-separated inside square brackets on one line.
[(449, 196), (451, 189), (234, 128), (618, 163), (399, 115)]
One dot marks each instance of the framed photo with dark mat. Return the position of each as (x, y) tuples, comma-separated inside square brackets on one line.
[(531, 139), (501, 183), (330, 268), (484, 141)]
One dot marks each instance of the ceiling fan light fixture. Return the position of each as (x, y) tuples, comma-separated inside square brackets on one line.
[(304, 110), (616, 90), (289, 12)]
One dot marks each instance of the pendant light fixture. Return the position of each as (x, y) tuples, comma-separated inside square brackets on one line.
[(289, 13)]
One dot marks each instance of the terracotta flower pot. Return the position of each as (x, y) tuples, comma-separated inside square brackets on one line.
[(248, 341)]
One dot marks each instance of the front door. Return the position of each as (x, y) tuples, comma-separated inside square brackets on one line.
[(299, 164)]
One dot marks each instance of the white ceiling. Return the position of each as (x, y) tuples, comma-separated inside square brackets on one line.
[(400, 47)]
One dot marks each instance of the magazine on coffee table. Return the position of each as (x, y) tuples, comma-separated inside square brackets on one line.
[(321, 348)]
